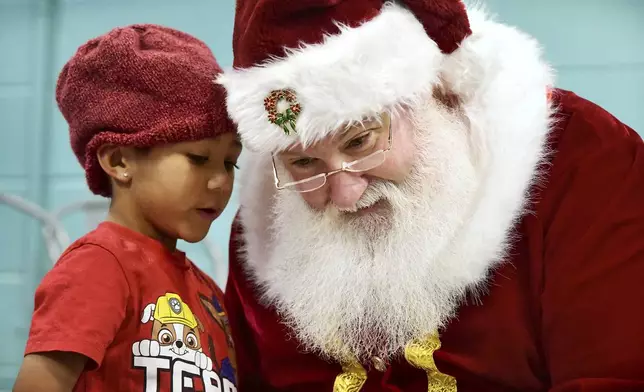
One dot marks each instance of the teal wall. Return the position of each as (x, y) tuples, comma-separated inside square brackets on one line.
[(595, 45)]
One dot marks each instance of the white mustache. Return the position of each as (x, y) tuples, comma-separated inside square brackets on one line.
[(375, 192)]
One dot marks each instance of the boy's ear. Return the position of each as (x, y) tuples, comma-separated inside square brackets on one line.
[(113, 160)]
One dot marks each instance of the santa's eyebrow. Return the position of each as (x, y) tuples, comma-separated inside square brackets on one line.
[(364, 123), (359, 126)]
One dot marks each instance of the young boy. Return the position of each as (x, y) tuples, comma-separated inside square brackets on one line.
[(123, 309)]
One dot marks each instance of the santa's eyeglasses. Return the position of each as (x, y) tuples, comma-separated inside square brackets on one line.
[(310, 184)]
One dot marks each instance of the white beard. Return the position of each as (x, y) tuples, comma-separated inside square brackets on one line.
[(367, 285)]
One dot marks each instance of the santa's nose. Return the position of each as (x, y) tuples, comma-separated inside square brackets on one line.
[(346, 188), (179, 344)]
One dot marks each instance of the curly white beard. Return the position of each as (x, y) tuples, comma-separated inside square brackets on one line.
[(360, 286)]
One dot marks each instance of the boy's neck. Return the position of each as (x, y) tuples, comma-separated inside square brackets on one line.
[(131, 219)]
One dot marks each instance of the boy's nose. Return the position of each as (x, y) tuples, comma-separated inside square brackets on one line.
[(219, 180), (346, 188)]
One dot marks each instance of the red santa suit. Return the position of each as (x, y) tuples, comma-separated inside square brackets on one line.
[(560, 311)]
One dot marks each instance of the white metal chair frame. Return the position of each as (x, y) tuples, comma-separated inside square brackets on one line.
[(55, 235)]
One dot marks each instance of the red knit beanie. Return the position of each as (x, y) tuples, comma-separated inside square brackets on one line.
[(140, 85)]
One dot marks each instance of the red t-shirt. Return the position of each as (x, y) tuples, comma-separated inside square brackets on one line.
[(147, 318)]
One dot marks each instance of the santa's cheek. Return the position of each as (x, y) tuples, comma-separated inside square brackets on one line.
[(316, 199)]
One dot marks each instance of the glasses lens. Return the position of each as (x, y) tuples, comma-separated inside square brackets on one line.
[(308, 184), (367, 163)]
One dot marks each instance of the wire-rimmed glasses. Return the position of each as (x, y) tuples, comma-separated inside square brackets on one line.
[(316, 182)]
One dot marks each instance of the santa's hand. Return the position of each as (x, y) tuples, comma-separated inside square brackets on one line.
[(146, 348), (202, 361)]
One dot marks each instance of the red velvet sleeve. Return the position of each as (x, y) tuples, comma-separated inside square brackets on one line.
[(80, 304), (248, 363), (593, 291)]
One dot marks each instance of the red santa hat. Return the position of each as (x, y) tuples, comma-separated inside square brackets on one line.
[(305, 68)]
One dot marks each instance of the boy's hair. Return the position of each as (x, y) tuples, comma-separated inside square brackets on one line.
[(139, 85)]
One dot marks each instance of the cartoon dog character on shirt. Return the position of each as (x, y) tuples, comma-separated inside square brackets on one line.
[(175, 332)]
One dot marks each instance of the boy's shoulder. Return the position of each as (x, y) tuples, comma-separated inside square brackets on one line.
[(102, 236), (122, 243), (96, 244)]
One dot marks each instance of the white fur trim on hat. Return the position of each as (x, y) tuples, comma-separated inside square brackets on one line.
[(358, 73)]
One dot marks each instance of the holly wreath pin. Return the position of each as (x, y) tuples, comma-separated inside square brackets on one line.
[(283, 109)]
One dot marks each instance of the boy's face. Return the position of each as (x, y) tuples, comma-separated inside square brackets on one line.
[(177, 190)]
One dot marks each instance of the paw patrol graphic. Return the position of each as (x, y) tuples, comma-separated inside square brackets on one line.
[(175, 347), (174, 332)]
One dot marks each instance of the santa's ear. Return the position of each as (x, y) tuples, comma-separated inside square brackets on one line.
[(148, 314)]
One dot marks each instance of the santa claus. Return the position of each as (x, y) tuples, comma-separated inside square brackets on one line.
[(421, 210)]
